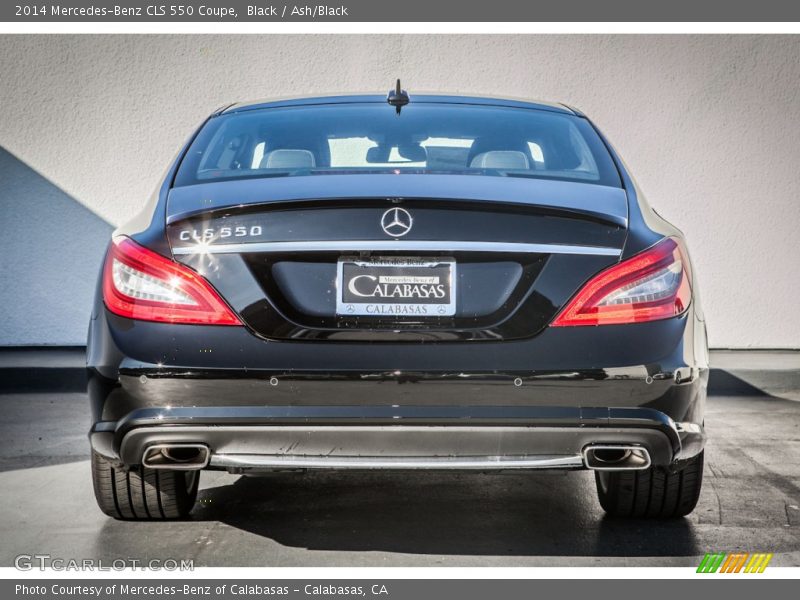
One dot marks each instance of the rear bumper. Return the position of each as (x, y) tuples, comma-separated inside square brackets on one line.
[(261, 404), (501, 437)]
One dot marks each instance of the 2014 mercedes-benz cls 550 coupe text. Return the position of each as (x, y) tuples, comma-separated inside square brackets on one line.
[(426, 282)]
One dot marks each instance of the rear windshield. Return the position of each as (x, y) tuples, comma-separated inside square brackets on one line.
[(372, 138)]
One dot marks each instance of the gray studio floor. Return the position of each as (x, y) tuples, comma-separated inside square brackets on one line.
[(750, 502)]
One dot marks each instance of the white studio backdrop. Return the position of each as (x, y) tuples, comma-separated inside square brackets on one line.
[(709, 124)]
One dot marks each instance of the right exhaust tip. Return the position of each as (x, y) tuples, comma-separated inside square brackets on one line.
[(616, 457)]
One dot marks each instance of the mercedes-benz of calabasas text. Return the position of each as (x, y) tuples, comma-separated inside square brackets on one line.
[(404, 282)]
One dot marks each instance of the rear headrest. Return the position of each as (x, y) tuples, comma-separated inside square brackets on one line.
[(500, 159), (286, 158)]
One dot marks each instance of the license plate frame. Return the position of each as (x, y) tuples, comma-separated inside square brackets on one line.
[(422, 274)]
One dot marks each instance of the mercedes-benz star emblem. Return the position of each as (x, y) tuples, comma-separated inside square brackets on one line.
[(397, 222)]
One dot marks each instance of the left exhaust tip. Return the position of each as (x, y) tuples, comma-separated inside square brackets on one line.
[(184, 457)]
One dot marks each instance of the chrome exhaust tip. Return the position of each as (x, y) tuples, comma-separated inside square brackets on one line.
[(616, 457), (183, 457)]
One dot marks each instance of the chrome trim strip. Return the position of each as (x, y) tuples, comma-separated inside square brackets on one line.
[(394, 462), (395, 245)]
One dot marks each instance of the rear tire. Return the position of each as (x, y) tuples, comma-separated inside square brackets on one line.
[(147, 494), (651, 493)]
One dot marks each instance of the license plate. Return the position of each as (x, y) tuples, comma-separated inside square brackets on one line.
[(396, 287)]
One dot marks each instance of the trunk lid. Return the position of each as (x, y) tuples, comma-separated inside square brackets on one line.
[(276, 249)]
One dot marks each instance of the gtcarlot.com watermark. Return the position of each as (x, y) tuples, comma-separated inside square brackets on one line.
[(42, 562)]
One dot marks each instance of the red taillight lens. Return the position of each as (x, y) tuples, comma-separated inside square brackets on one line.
[(652, 285), (140, 284)]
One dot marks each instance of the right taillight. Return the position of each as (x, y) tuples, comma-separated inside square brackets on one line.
[(653, 285)]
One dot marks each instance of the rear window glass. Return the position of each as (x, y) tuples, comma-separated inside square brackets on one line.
[(372, 138)]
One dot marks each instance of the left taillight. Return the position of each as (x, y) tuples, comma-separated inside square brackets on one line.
[(652, 285), (140, 284)]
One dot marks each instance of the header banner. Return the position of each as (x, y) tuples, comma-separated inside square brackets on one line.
[(405, 11)]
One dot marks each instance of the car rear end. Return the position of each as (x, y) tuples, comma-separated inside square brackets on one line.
[(325, 285)]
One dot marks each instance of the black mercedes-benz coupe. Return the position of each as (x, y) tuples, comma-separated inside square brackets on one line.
[(369, 282)]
